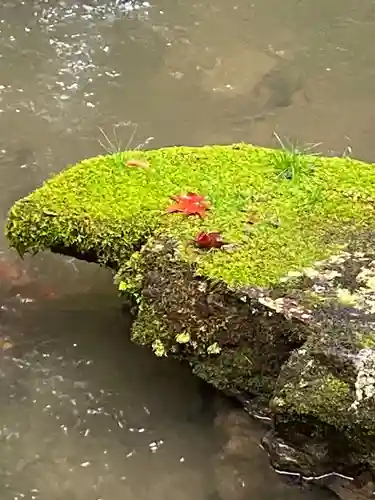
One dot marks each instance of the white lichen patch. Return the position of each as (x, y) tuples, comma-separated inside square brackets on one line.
[(294, 274), (329, 282), (367, 275), (364, 363), (316, 273), (214, 348), (276, 304), (329, 275), (289, 307), (310, 272), (278, 402), (366, 291), (339, 290), (202, 287), (158, 348), (371, 283), (359, 255), (183, 338), (339, 258)]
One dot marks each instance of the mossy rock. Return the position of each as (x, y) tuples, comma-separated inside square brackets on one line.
[(230, 339), (104, 208), (326, 389), (293, 284)]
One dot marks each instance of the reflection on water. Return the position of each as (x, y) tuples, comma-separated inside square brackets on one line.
[(84, 413)]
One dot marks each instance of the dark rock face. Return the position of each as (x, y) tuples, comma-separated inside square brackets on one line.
[(231, 340), (302, 353), (325, 391)]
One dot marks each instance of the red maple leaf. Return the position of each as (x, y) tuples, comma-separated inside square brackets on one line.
[(190, 197), (189, 204), (209, 240)]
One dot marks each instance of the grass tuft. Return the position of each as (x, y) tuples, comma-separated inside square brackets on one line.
[(292, 162)]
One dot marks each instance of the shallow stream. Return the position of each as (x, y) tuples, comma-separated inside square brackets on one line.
[(85, 414)]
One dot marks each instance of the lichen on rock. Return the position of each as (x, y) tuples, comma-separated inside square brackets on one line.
[(327, 386)]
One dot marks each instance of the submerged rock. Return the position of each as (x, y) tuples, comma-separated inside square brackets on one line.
[(284, 312), (241, 467)]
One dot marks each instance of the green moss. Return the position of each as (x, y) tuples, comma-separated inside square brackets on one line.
[(233, 371), (328, 399), (227, 368), (103, 207), (148, 328), (366, 340)]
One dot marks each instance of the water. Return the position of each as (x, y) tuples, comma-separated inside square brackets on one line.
[(84, 413)]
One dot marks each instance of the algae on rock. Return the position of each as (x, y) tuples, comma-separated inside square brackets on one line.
[(285, 311)]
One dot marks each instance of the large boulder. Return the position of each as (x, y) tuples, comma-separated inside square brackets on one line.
[(281, 315)]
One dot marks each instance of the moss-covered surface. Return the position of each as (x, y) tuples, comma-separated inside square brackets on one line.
[(103, 206)]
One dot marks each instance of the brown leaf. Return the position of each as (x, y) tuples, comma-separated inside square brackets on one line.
[(5, 344), (137, 163)]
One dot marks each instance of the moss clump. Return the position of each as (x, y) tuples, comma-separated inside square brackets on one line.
[(323, 405), (103, 209), (233, 371), (325, 398), (366, 340)]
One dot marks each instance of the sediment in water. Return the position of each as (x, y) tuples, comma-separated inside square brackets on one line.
[(284, 312)]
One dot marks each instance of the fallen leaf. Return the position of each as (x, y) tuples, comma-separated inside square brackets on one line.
[(190, 197), (137, 163), (209, 240), (189, 204), (5, 344)]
